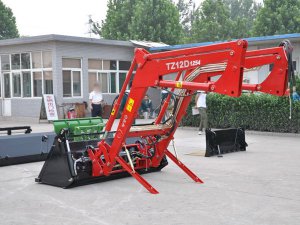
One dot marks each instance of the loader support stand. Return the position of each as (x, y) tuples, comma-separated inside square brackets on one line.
[(183, 167), (137, 176)]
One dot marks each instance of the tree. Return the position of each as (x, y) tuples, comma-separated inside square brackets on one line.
[(8, 27), (212, 22), (118, 18), (278, 17), (242, 14), (156, 20), (186, 10)]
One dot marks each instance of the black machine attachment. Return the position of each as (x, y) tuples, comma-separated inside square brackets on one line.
[(224, 141), (68, 164), (8, 130)]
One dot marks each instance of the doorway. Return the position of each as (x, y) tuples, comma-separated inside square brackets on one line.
[(6, 105)]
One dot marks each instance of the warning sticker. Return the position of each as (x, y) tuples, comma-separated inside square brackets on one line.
[(179, 84), (130, 104), (112, 112)]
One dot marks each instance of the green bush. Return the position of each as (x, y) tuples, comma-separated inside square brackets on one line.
[(252, 111), (298, 84)]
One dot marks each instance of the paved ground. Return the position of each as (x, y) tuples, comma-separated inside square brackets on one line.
[(259, 186)]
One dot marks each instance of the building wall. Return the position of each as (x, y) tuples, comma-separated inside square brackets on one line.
[(26, 107)]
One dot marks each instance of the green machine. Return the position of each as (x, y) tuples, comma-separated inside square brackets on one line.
[(82, 129)]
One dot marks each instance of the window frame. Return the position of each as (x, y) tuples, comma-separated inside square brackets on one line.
[(31, 70), (117, 72), (9, 56), (2, 83), (72, 70), (12, 83)]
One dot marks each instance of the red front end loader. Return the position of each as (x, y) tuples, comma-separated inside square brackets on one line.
[(136, 149)]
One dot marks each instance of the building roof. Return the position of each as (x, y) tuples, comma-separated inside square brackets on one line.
[(63, 38), (153, 46), (149, 44), (251, 41)]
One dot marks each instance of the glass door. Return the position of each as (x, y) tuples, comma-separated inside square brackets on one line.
[(7, 94), (6, 85)]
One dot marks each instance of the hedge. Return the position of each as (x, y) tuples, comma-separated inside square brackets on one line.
[(260, 112)]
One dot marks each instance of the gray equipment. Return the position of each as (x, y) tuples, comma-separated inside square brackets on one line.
[(25, 148)]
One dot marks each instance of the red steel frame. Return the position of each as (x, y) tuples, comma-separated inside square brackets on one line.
[(150, 72)]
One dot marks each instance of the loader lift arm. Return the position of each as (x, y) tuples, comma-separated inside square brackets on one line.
[(194, 68)]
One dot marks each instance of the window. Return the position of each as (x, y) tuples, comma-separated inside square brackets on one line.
[(95, 64), (111, 74), (103, 79), (122, 77), (16, 84), (67, 89), (36, 59), (113, 87), (92, 80), (31, 74), (5, 64), (71, 77), (47, 59), (48, 82), (37, 84), (6, 81), (109, 65), (76, 83), (124, 65), (15, 61), (25, 60), (113, 65), (71, 63), (71, 83), (26, 79)]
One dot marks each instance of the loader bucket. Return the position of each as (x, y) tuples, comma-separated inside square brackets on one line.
[(225, 141), (67, 165)]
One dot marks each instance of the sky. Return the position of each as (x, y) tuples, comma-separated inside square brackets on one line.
[(67, 17)]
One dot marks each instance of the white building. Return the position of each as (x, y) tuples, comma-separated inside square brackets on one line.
[(65, 66)]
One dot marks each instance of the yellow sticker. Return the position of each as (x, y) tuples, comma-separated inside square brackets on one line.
[(112, 112), (179, 84), (130, 104)]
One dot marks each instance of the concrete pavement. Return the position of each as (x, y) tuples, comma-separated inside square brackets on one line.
[(259, 186)]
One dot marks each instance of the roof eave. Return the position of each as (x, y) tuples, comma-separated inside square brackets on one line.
[(63, 38)]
